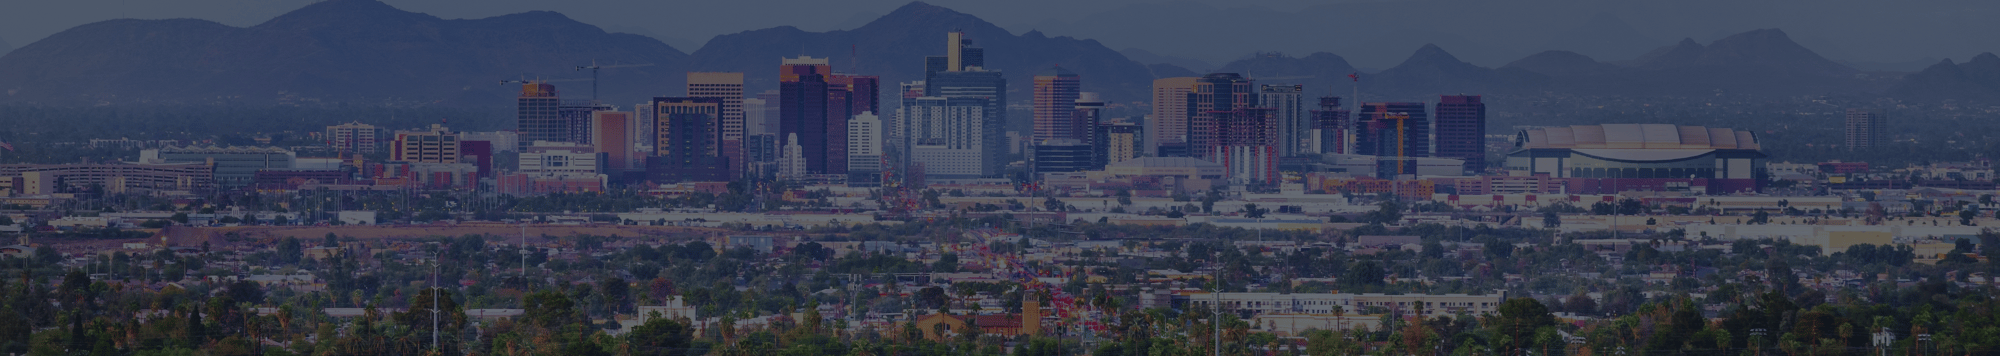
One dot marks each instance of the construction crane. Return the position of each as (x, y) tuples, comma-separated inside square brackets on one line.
[(593, 67)]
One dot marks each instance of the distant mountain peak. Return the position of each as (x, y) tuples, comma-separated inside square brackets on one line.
[(342, 10), (922, 16), (1987, 57), (1431, 53)]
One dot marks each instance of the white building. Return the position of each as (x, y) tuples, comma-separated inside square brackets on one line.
[(1293, 129), (864, 143), (948, 136), (546, 157), (354, 137), (792, 162), (1324, 303)]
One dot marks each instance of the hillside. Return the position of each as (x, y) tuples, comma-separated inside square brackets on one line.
[(360, 51)]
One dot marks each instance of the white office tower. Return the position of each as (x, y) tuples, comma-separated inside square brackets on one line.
[(1293, 129), (949, 136), (754, 120), (643, 130), (864, 143), (792, 163)]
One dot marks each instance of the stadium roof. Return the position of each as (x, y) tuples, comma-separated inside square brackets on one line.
[(1636, 136)]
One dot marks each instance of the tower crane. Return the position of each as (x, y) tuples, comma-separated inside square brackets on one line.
[(593, 67)]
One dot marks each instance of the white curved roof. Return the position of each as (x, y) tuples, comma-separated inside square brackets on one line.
[(1638, 136)]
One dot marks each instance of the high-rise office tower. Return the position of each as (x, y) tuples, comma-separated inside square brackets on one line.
[(1244, 140), (1393, 130), (575, 116), (1866, 129), (953, 137), (642, 130), (897, 125), (959, 54), (969, 84), (1167, 126), (839, 109), (1329, 131), (1055, 98), (538, 115), (1085, 113), (1461, 130), (792, 160), (864, 150), (689, 129), (687, 141), (1216, 96), (754, 121), (1116, 142), (802, 109), (611, 135), (354, 137), (729, 88), (1288, 107), (866, 92), (436, 145)]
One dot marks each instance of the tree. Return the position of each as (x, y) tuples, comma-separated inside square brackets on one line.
[(550, 309), (179, 218), (1387, 212), (330, 241), (1550, 220), (445, 314), (1253, 212), (661, 337), (289, 251), (948, 263), (1364, 272)]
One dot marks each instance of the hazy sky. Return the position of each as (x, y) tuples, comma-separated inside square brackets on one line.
[(1374, 33)]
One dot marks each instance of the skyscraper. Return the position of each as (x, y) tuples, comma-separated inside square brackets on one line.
[(611, 135), (729, 88), (538, 115), (839, 109), (1393, 130), (952, 136), (1116, 142), (967, 84), (864, 150), (355, 137), (436, 145), (1085, 113), (802, 109), (1288, 108), (1216, 97), (1866, 129), (1329, 127), (1055, 98), (575, 116), (689, 129), (959, 54), (1244, 140), (687, 142), (1168, 124), (1461, 130)]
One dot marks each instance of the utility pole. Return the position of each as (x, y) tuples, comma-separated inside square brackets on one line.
[(436, 263)]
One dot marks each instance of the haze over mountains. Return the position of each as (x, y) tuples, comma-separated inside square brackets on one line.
[(365, 51)]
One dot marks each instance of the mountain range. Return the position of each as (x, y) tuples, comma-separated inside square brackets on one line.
[(364, 51), (1975, 80)]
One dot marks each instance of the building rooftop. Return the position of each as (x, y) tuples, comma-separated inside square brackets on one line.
[(1166, 162), (1636, 136)]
